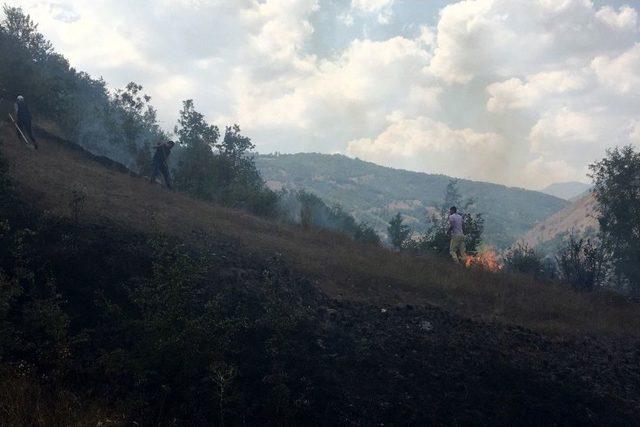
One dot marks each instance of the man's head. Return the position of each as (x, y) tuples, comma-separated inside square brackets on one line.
[(453, 210), (20, 98), (170, 143)]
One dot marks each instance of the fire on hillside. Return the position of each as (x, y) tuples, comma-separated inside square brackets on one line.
[(486, 260)]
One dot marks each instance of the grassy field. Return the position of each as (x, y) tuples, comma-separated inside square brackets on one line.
[(53, 176)]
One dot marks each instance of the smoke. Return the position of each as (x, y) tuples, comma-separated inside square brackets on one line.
[(308, 210), (457, 91)]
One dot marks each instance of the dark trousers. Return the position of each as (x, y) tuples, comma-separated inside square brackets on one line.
[(25, 126), (160, 167)]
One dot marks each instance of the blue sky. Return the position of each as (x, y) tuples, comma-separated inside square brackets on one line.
[(520, 92)]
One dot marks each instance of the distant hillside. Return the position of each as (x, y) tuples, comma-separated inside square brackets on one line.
[(374, 193), (579, 217), (567, 190)]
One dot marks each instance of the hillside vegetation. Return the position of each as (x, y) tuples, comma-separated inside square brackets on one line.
[(273, 323), (579, 218), (374, 194)]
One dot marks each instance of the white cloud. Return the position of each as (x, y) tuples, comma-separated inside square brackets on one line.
[(283, 27), (557, 130), (383, 9), (515, 91), (515, 94), (621, 73), (545, 172), (626, 18), (489, 38), (634, 132), (431, 145), (358, 88), (371, 6)]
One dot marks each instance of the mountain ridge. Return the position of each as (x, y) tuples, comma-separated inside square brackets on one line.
[(579, 218), (571, 190), (374, 193)]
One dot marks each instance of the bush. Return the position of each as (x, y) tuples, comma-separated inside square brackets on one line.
[(582, 264), (525, 260), (399, 233), (219, 171), (436, 238), (309, 210)]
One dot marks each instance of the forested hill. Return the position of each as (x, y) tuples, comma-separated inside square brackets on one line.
[(374, 193)]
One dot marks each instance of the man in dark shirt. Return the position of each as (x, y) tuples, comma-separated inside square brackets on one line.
[(160, 166), (23, 118)]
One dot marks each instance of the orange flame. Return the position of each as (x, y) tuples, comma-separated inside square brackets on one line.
[(486, 260)]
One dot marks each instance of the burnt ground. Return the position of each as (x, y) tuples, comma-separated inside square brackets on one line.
[(317, 360), (147, 341)]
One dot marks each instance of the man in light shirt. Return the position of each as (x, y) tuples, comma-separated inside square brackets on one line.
[(456, 248)]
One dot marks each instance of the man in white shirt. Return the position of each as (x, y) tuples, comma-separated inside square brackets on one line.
[(457, 236)]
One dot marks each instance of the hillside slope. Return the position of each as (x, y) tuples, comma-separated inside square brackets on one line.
[(579, 218), (374, 193), (566, 190), (53, 176), (438, 344)]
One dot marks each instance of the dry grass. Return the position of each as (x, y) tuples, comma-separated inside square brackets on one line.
[(24, 402), (343, 269)]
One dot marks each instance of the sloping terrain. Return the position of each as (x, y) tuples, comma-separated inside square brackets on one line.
[(579, 218), (374, 193), (436, 343), (566, 190), (52, 177)]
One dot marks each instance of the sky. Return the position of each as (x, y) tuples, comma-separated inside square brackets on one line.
[(519, 92)]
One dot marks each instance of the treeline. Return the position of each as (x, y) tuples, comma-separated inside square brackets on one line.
[(611, 259), (436, 238), (207, 163)]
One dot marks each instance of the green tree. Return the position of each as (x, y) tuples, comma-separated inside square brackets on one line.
[(399, 233), (21, 27), (524, 259), (582, 263), (314, 212), (366, 234), (221, 171), (436, 237), (617, 191), (196, 171), (136, 116)]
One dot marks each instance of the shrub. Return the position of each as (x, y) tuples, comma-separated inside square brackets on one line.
[(219, 171), (524, 259), (309, 210), (582, 263), (399, 233)]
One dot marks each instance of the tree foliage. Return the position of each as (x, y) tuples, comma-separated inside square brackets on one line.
[(310, 211), (119, 125), (399, 233), (582, 263), (220, 171), (617, 191), (436, 238), (523, 259)]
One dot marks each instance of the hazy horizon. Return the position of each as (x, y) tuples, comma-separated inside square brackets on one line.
[(516, 92)]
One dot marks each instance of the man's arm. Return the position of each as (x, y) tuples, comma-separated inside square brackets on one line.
[(450, 230)]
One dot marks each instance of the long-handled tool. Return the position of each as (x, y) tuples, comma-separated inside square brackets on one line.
[(24, 138)]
